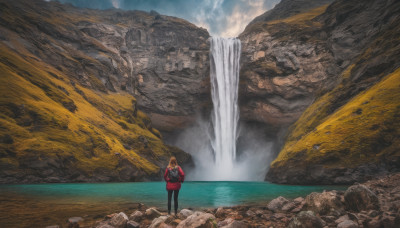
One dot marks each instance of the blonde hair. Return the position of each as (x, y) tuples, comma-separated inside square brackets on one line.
[(172, 162)]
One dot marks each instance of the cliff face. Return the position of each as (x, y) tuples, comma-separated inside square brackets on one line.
[(341, 59), (161, 60), (284, 64), (75, 83)]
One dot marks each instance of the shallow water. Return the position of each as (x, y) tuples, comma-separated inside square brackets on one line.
[(39, 205)]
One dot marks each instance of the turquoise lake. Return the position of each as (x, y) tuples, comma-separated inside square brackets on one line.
[(46, 204)]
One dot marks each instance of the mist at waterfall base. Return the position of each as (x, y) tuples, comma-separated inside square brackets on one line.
[(223, 149), (254, 154)]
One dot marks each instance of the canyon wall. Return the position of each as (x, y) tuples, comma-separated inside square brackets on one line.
[(84, 92), (311, 66)]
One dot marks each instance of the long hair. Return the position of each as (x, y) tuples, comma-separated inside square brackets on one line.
[(172, 162)]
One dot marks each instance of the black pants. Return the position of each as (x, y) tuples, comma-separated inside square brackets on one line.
[(176, 192)]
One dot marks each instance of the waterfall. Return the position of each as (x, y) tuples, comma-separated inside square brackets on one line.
[(214, 143), (224, 76)]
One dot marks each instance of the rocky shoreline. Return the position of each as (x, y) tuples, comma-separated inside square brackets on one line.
[(375, 203)]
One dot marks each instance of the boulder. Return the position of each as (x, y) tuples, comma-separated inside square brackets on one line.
[(360, 197), (184, 213), (198, 219), (220, 212), (119, 220), (323, 203), (347, 224), (250, 213), (289, 206), (74, 222), (132, 224), (225, 222), (341, 219), (136, 216), (277, 204), (158, 221), (152, 213), (306, 219)]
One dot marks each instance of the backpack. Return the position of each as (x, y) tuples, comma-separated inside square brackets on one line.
[(173, 175)]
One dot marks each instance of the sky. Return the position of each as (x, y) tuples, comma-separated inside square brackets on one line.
[(225, 18)]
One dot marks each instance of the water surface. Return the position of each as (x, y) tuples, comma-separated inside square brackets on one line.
[(39, 205)]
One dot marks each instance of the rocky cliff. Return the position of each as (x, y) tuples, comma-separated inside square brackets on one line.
[(341, 60), (285, 63), (76, 83)]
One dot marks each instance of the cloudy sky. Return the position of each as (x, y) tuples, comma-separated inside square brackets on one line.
[(226, 18)]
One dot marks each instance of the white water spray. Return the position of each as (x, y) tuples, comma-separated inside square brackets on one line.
[(224, 73)]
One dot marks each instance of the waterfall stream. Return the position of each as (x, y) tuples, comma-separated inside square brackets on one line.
[(224, 76), (221, 150)]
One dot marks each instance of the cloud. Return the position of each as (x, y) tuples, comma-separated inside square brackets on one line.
[(238, 20), (226, 18)]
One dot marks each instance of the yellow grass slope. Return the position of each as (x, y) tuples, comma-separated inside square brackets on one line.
[(45, 115), (365, 130)]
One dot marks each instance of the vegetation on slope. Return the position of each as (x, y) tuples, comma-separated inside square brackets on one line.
[(364, 130), (47, 121), (299, 21), (351, 131)]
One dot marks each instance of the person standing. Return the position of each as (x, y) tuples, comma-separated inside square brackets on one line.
[(174, 176)]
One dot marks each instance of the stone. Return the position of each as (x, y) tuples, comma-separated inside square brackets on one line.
[(152, 213), (306, 219), (373, 223), (74, 222), (341, 219), (184, 213), (225, 222), (119, 220), (53, 226), (353, 216), (298, 200), (163, 225), (278, 215), (360, 197), (220, 212), (328, 218), (289, 206), (176, 222), (250, 213), (132, 224), (373, 213), (276, 204), (236, 224), (347, 224), (158, 221), (198, 219), (297, 209), (323, 203), (136, 216)]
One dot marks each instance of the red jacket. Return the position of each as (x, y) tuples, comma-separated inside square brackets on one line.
[(174, 185)]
